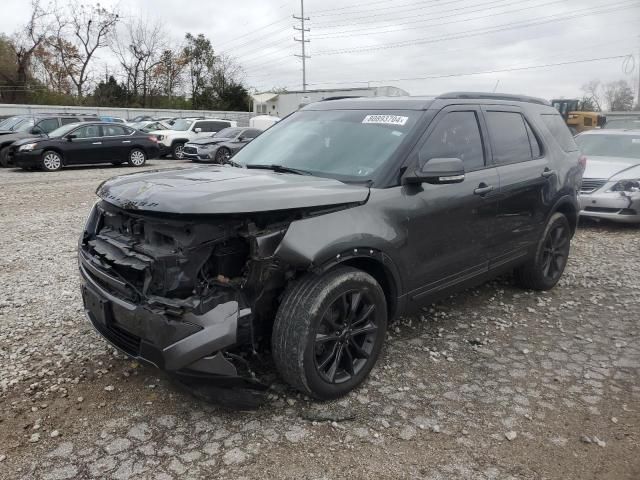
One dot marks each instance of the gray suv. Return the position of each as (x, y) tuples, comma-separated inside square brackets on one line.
[(338, 219)]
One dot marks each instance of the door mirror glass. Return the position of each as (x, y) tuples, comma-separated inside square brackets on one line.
[(197, 129), (36, 130), (71, 136), (437, 171), (240, 139)]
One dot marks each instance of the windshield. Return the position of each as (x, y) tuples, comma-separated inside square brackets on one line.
[(228, 132), (9, 123), (62, 131), (349, 145), (152, 127), (623, 123), (181, 124), (24, 125), (627, 146)]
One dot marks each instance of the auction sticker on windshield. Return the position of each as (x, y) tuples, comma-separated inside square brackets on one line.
[(386, 119)]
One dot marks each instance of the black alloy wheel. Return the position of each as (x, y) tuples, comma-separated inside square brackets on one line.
[(222, 155), (555, 252), (345, 337)]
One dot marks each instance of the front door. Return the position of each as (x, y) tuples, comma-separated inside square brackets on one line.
[(450, 225), (526, 183), (86, 146)]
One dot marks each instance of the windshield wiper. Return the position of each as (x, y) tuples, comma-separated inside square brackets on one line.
[(280, 169)]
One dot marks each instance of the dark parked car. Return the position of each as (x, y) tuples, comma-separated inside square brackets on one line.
[(341, 217), (221, 146), (36, 126), (85, 143)]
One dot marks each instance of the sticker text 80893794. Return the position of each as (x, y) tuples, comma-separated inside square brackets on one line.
[(386, 119)]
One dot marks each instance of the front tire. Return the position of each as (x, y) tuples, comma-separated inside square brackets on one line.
[(51, 161), (544, 269), (4, 157), (222, 155), (137, 157), (329, 331)]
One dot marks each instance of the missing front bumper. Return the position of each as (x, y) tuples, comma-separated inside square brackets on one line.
[(189, 343)]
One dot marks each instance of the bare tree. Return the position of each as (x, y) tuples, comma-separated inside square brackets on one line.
[(619, 95), (26, 42), (86, 28), (138, 45), (592, 93)]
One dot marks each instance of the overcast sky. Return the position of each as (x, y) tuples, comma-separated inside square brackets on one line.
[(400, 42)]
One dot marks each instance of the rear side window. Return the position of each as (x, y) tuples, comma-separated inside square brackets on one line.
[(113, 130), (560, 132), (68, 120), (509, 138), (251, 133), (457, 135), (217, 126), (534, 141)]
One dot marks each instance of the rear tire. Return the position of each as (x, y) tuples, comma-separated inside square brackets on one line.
[(137, 157), (177, 151), (544, 269), (329, 331), (51, 161)]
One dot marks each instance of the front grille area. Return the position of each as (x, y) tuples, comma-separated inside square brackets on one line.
[(590, 185), (190, 150)]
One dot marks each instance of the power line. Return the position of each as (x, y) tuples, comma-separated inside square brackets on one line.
[(377, 31), (315, 12), (389, 7), (484, 72), (253, 32), (481, 31)]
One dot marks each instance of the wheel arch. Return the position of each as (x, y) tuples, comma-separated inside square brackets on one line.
[(376, 264), (569, 208), (178, 140)]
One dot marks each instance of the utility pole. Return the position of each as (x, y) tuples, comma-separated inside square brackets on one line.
[(303, 43)]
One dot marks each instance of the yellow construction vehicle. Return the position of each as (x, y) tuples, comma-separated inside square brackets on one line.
[(576, 119)]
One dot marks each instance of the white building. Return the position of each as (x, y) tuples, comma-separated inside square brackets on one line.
[(282, 104)]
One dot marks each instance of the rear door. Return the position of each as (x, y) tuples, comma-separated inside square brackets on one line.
[(116, 141), (449, 225), (86, 147), (525, 182)]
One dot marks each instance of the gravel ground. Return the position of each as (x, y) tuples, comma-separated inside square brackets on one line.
[(494, 383)]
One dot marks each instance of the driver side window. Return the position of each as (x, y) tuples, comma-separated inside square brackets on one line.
[(88, 131), (457, 135)]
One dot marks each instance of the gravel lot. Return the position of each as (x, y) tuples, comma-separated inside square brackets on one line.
[(494, 383)]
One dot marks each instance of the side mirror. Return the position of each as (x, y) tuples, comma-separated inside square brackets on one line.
[(240, 139), (197, 129), (36, 131), (71, 136), (437, 171)]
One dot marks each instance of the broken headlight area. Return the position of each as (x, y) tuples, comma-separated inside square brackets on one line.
[(185, 264)]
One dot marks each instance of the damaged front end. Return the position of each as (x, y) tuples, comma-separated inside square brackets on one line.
[(194, 295)]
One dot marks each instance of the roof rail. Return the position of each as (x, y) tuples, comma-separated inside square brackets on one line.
[(492, 96), (340, 97)]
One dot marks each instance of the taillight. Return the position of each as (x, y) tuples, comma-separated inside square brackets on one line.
[(582, 161)]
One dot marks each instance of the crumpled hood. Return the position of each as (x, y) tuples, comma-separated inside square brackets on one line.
[(209, 140), (220, 190), (607, 167)]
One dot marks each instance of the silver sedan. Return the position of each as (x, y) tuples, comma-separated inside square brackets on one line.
[(611, 182)]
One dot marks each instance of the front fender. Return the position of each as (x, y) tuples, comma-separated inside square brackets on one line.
[(378, 228)]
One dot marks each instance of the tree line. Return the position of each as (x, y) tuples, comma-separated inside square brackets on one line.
[(54, 59), (616, 96)]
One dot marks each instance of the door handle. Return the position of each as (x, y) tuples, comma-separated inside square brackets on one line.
[(547, 173), (483, 189), (96, 143), (126, 141)]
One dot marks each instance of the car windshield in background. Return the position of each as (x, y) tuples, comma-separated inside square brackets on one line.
[(24, 126), (627, 146), (10, 123), (228, 132), (62, 131), (349, 145), (623, 123), (181, 124)]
